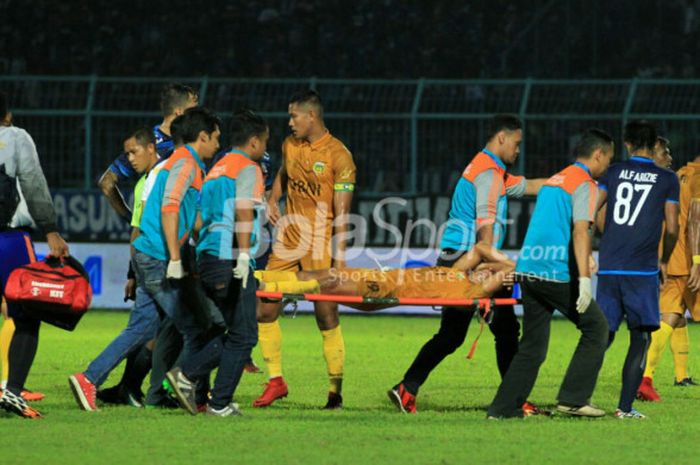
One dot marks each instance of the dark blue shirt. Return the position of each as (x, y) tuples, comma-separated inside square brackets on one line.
[(637, 194), (123, 169)]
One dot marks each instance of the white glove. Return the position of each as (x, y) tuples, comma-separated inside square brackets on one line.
[(585, 295), (242, 268), (175, 270)]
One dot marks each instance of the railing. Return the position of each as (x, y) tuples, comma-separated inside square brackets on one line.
[(407, 137)]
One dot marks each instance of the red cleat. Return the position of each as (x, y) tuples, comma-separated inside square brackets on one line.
[(404, 400), (31, 396), (647, 392), (275, 389), (84, 391), (530, 410)]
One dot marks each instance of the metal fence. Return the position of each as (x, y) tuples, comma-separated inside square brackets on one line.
[(410, 137)]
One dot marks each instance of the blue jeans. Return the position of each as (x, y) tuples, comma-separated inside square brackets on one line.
[(141, 328), (165, 354), (151, 277), (229, 351)]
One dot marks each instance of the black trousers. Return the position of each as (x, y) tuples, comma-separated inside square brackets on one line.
[(454, 324), (540, 299)]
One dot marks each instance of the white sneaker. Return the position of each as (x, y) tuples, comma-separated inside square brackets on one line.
[(631, 415), (231, 410), (581, 411)]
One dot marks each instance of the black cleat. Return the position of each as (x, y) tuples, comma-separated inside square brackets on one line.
[(335, 402)]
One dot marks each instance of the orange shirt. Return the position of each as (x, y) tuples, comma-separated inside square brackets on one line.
[(680, 261), (315, 171)]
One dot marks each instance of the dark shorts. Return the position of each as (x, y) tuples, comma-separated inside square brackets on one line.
[(634, 297), (16, 249)]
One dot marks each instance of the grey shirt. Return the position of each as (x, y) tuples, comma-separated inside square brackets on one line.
[(18, 155)]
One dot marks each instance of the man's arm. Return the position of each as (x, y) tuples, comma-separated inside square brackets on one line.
[(36, 193), (180, 178), (108, 184), (533, 186), (582, 247), (481, 252), (694, 243), (248, 187), (488, 186), (670, 235), (585, 202), (344, 176), (342, 200), (279, 186)]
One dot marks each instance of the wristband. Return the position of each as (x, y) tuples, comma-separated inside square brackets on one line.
[(696, 259)]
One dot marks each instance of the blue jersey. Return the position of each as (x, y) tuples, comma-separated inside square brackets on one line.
[(567, 197), (233, 178), (637, 193), (176, 189), (123, 169), (480, 199)]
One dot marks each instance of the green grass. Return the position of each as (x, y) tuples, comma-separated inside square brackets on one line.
[(449, 429)]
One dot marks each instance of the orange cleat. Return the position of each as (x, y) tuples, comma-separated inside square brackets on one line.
[(16, 404), (275, 389), (530, 410), (647, 392), (31, 396)]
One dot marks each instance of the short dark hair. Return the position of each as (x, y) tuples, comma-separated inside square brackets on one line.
[(640, 134), (308, 97), (590, 141), (246, 124), (662, 140), (175, 130), (3, 104), (174, 95), (196, 120), (502, 122), (143, 136)]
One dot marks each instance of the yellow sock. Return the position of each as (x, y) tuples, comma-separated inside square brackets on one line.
[(294, 287), (267, 276), (8, 329), (659, 340), (270, 338), (680, 347), (334, 353)]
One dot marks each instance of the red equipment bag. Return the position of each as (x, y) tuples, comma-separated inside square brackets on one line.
[(54, 290)]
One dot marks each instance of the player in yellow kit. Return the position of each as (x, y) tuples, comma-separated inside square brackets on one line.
[(468, 278), (318, 175), (676, 296)]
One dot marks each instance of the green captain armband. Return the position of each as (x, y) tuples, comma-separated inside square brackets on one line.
[(344, 187)]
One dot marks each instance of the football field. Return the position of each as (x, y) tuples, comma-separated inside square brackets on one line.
[(450, 427)]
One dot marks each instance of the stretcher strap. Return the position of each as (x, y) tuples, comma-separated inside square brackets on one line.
[(485, 318)]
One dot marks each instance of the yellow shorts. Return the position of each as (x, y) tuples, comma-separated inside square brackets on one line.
[(289, 253), (676, 298)]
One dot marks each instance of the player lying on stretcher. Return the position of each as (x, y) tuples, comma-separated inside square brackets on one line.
[(477, 274)]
